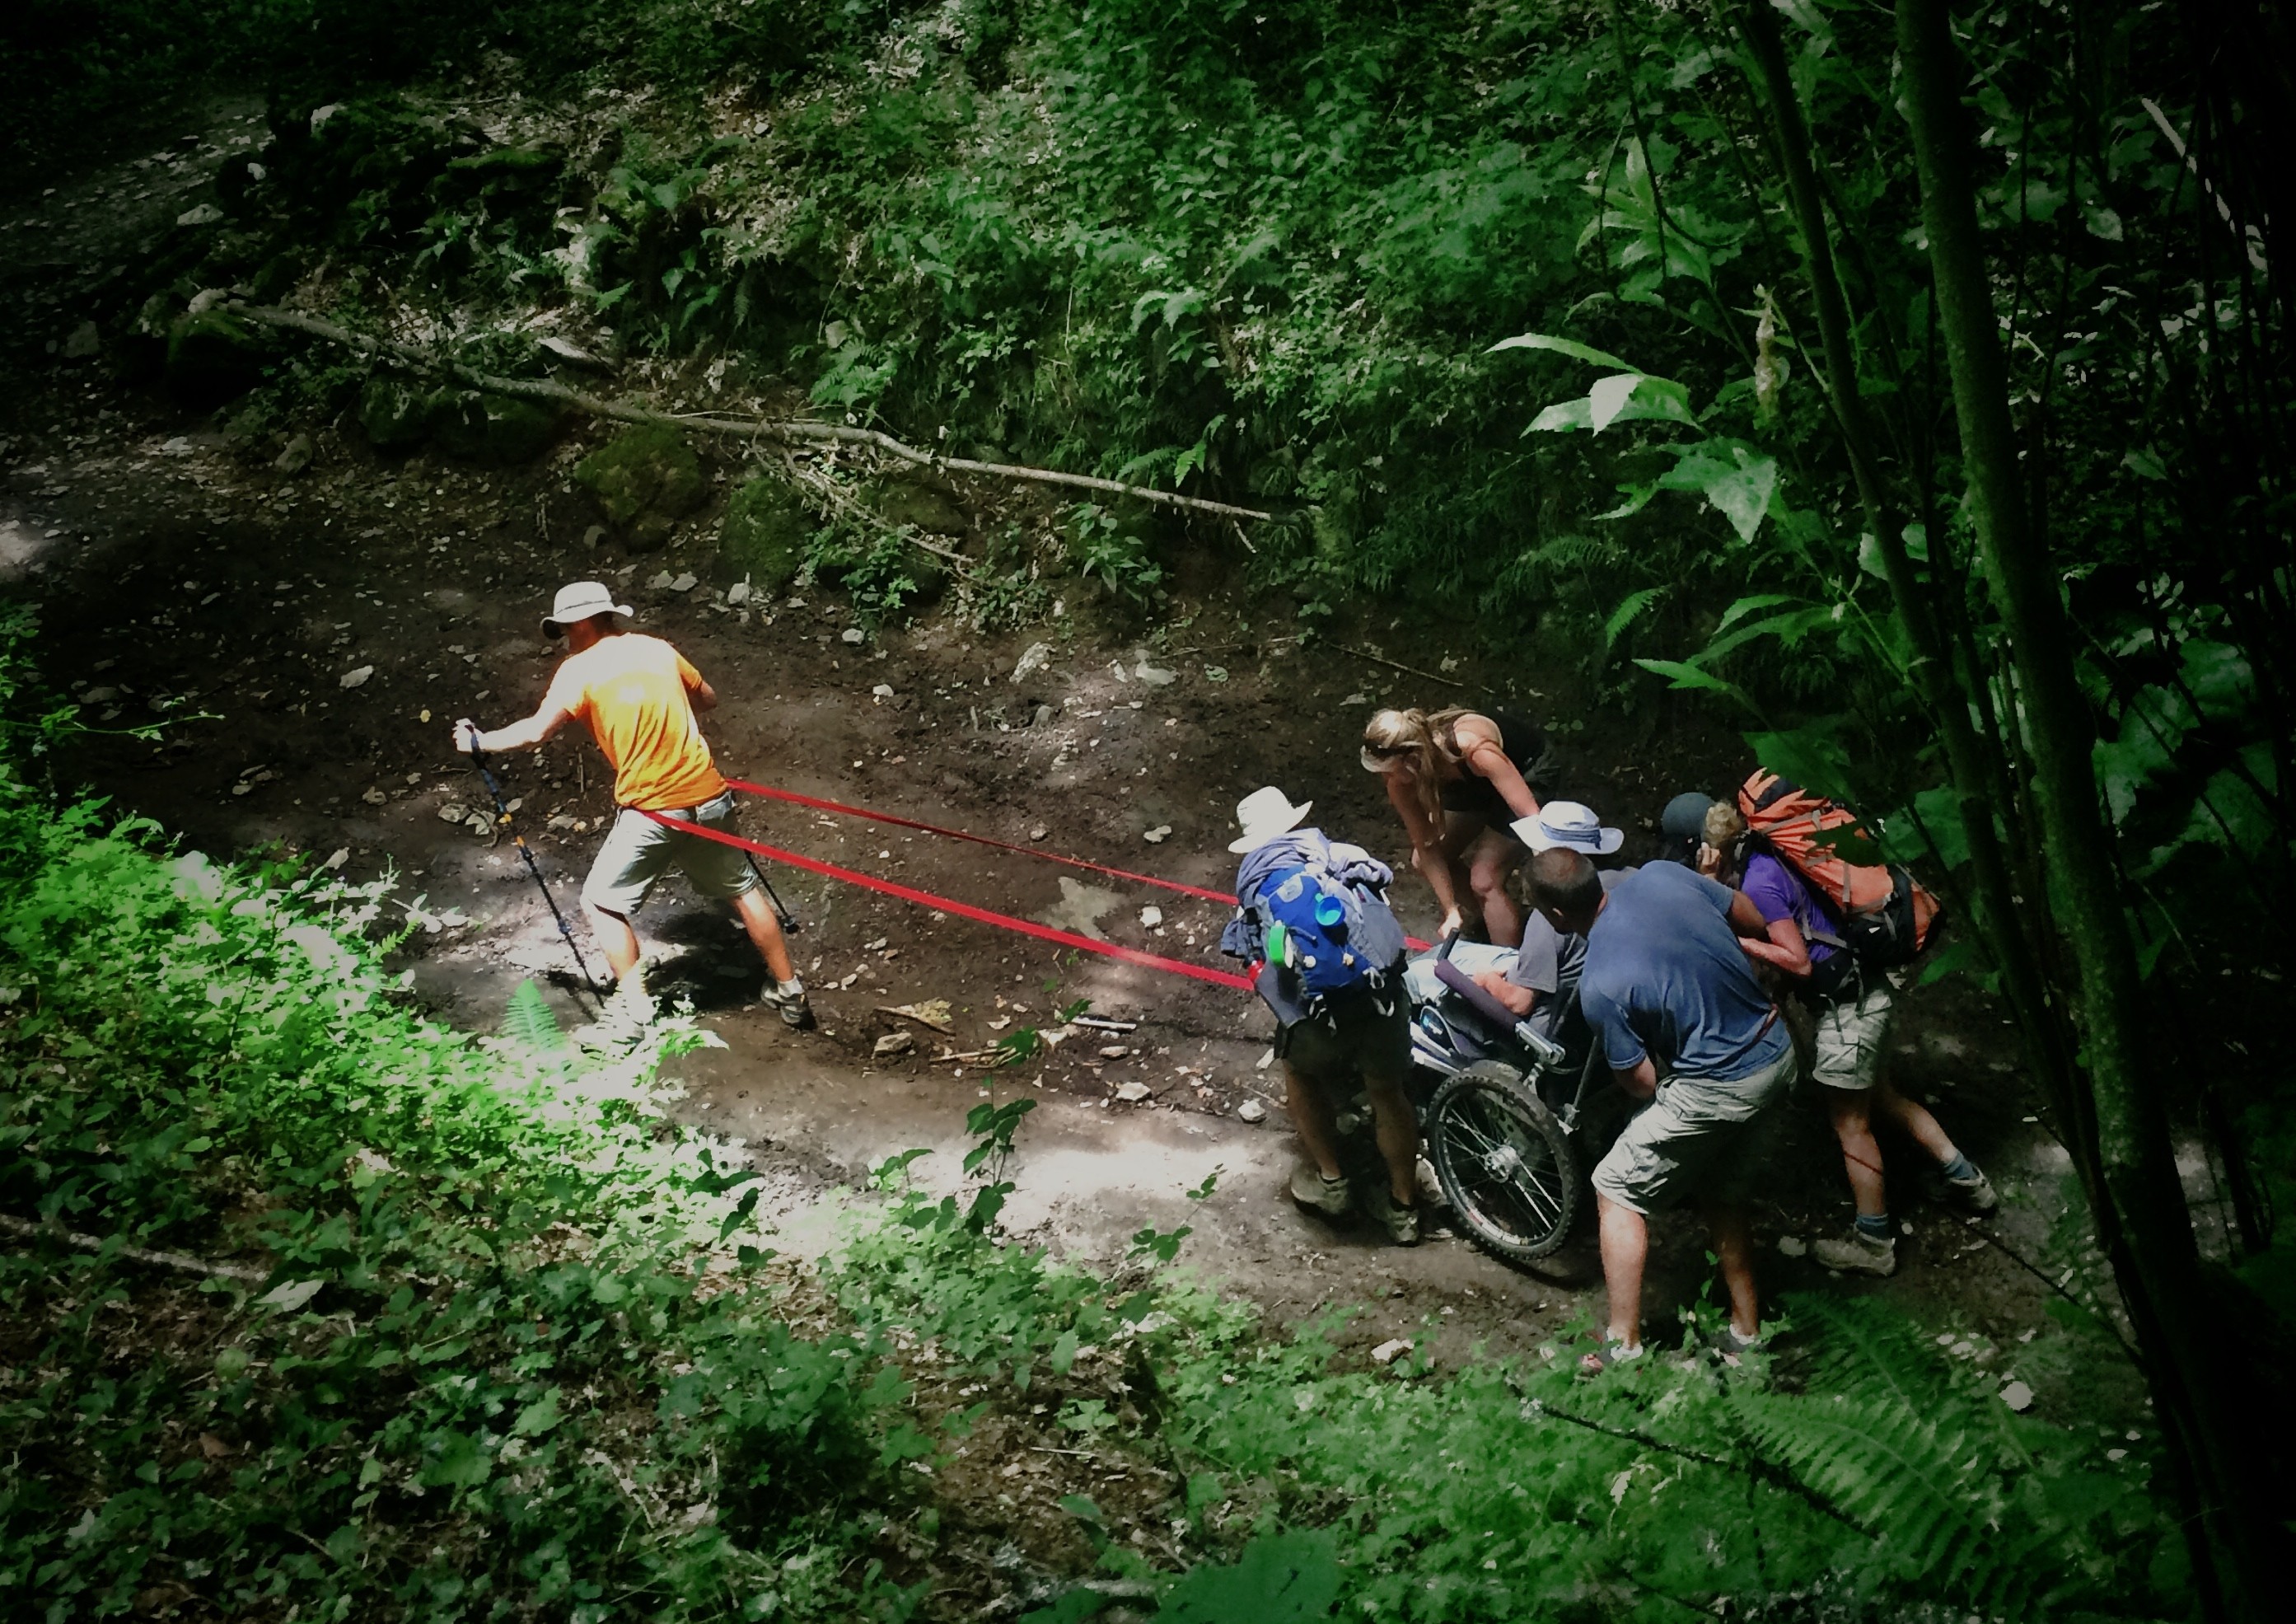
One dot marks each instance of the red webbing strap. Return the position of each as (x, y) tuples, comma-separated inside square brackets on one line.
[(819, 805), (1026, 927)]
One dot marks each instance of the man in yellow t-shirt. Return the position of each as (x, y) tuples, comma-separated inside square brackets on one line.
[(637, 695)]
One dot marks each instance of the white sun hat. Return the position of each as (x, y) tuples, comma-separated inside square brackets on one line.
[(580, 602), (1265, 814), (1566, 822)]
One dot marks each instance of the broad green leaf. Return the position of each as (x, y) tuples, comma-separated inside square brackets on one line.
[(1936, 813), (1624, 614), (1280, 1578), (1638, 497), (1609, 397), (1690, 676), (1811, 757), (463, 1462), (1749, 605), (1565, 347), (1081, 1507), (290, 1295), (2220, 677), (1632, 397), (1732, 476), (1563, 414), (538, 1418)]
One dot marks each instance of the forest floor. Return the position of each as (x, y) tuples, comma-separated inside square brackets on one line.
[(188, 581)]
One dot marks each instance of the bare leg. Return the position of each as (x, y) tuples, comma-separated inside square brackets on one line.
[(766, 933), (615, 936), (1897, 1109), (1861, 1152), (1398, 1129), (1625, 1245), (1311, 1116), (1489, 859), (1733, 1245)]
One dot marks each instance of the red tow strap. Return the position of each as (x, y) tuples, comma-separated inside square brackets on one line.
[(1026, 927), (979, 839)]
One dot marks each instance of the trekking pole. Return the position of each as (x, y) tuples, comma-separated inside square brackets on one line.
[(787, 920), (478, 759)]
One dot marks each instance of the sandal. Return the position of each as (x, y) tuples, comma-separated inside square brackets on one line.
[(1608, 1353)]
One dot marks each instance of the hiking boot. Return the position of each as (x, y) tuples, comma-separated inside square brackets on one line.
[(621, 1025), (1328, 1196), (1973, 1194), (1400, 1222), (1860, 1254), (787, 1000)]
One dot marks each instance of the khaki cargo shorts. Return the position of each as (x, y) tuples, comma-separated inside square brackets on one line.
[(1847, 1051), (1696, 1138), (638, 851)]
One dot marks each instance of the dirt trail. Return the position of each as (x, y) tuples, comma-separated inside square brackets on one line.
[(181, 577)]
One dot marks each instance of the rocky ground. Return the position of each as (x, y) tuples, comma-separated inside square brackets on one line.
[(303, 613)]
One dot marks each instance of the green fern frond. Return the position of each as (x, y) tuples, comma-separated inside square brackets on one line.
[(1889, 1433), (529, 1022)]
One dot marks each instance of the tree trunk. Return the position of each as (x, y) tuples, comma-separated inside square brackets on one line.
[(2193, 1368), (2000, 922)]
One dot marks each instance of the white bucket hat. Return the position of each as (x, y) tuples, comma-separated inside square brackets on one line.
[(580, 602), (1566, 822), (1265, 814)]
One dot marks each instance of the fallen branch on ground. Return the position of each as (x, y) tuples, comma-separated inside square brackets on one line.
[(1396, 664), (788, 430), (134, 1254)]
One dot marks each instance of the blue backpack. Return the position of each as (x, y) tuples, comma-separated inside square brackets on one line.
[(1323, 932)]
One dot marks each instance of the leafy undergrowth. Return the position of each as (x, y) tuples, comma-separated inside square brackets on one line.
[(495, 1362), (312, 1308)]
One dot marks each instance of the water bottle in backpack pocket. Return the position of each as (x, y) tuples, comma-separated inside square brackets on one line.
[(1324, 934)]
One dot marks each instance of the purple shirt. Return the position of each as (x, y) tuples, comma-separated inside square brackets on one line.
[(1779, 893)]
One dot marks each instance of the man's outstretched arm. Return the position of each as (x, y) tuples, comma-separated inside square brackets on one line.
[(470, 738)]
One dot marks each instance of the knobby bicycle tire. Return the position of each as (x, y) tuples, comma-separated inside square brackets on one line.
[(1504, 1162)]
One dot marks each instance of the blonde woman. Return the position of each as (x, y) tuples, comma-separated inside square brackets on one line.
[(1852, 1008), (1457, 779)]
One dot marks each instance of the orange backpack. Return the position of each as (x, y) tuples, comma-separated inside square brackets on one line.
[(1885, 915)]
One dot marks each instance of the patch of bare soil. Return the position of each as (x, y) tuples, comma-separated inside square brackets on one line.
[(187, 581)]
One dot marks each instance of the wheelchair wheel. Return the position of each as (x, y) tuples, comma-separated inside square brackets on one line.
[(1504, 1162)]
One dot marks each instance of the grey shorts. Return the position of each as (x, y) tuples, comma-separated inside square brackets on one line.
[(1695, 1137), (1360, 1034), (1847, 1051), (638, 851)]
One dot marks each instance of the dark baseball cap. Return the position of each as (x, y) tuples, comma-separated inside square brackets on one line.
[(1683, 825)]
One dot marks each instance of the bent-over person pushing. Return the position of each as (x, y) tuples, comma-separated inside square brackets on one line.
[(638, 695)]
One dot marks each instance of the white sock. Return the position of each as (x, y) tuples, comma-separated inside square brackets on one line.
[(789, 988)]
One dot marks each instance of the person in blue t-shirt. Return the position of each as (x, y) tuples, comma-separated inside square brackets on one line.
[(1683, 1025)]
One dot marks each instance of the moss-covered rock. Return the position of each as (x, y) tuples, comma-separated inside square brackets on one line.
[(767, 527), (644, 481), (394, 414), (486, 428), (212, 357), (923, 507)]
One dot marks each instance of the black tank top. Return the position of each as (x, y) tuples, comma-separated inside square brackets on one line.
[(1524, 744)]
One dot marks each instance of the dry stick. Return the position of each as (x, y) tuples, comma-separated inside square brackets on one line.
[(798, 431), (134, 1254), (1396, 664)]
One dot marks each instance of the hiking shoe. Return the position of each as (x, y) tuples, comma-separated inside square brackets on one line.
[(1328, 1196), (1971, 1194), (789, 1002), (1860, 1254), (1400, 1222), (621, 1025)]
